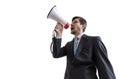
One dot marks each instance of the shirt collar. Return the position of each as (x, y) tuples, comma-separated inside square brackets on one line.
[(79, 36)]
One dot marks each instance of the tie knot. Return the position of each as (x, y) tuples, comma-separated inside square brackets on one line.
[(76, 38)]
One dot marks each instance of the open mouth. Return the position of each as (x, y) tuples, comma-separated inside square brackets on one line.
[(72, 28)]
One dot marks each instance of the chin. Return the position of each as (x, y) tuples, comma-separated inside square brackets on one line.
[(72, 32)]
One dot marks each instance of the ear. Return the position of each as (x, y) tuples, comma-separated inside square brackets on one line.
[(84, 26)]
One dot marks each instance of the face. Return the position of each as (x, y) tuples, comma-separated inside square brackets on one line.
[(76, 27)]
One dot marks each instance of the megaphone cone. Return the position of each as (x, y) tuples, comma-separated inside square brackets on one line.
[(53, 14)]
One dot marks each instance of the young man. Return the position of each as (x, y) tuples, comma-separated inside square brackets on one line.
[(84, 57)]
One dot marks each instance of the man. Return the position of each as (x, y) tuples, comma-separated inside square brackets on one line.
[(89, 56)]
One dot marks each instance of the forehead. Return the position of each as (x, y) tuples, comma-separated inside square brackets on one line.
[(76, 20)]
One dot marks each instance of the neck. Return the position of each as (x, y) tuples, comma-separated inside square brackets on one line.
[(80, 33)]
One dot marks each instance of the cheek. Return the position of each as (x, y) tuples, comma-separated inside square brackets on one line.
[(78, 27)]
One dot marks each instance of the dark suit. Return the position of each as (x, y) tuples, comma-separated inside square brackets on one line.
[(91, 55)]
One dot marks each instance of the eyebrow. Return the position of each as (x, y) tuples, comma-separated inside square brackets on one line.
[(75, 21)]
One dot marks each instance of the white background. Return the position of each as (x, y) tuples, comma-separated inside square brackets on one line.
[(26, 33)]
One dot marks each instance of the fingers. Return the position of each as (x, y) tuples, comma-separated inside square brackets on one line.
[(59, 29), (59, 26)]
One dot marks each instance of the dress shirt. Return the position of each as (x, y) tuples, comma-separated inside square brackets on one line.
[(79, 36)]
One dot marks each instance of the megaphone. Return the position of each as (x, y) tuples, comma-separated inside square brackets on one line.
[(53, 14)]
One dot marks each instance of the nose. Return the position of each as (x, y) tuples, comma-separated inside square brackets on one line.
[(71, 24)]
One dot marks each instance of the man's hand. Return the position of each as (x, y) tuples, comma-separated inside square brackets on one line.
[(59, 30)]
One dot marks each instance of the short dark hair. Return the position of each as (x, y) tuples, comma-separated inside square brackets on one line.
[(82, 21)]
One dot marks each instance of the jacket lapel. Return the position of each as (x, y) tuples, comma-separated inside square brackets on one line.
[(81, 44)]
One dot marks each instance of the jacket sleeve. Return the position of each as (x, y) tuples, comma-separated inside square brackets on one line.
[(58, 51), (105, 69)]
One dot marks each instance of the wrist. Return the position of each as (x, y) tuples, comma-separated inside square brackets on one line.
[(59, 36)]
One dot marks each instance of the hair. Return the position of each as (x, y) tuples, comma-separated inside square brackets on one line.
[(81, 20)]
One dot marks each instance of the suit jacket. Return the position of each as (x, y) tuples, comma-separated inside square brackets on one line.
[(91, 55)]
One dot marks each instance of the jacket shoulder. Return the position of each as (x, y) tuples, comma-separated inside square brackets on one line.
[(92, 37)]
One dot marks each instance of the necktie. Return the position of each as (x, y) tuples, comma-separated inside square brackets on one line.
[(75, 44)]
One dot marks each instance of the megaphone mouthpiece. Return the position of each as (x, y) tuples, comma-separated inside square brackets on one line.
[(67, 25)]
